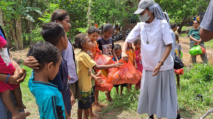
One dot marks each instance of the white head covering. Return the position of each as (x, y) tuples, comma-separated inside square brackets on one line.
[(157, 11)]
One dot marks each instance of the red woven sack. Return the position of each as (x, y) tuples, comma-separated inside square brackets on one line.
[(104, 86)]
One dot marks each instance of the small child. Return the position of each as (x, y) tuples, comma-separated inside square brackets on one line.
[(137, 44), (6, 67), (106, 45), (93, 35), (118, 54), (85, 63), (54, 33), (131, 53), (48, 97), (178, 49)]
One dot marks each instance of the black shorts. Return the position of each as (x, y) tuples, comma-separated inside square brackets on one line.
[(85, 101), (93, 95), (124, 85)]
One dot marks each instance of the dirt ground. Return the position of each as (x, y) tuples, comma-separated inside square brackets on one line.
[(114, 114), (184, 41)]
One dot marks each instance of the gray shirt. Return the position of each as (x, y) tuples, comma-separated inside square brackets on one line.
[(207, 22), (173, 44), (68, 56)]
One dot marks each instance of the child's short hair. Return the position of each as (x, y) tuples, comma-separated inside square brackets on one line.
[(52, 32), (117, 47), (44, 52), (173, 25), (79, 40), (92, 30), (106, 27), (137, 41)]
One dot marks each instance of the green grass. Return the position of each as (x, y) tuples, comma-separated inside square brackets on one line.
[(197, 80), (183, 35), (209, 44)]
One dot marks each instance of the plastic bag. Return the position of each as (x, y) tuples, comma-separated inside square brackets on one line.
[(127, 73), (104, 86), (179, 71), (181, 54), (203, 50), (195, 50)]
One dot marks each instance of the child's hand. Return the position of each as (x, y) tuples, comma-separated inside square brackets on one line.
[(31, 62), (98, 79), (118, 64), (99, 73), (136, 66), (100, 52), (72, 100)]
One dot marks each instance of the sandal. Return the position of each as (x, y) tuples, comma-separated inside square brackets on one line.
[(96, 109), (102, 106)]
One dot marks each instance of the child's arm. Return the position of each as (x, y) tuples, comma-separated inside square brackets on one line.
[(72, 98), (100, 67), (98, 79), (114, 55), (179, 53), (99, 73), (135, 64)]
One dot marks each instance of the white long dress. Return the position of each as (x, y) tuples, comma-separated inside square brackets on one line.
[(158, 93)]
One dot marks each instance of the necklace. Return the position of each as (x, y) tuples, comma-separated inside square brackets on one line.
[(147, 41)]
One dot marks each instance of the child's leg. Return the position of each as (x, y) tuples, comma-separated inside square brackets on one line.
[(91, 114), (8, 102), (121, 93), (117, 89), (86, 113), (18, 97), (96, 97), (178, 79), (80, 113)]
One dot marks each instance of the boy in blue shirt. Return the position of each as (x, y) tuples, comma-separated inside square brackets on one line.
[(54, 33), (48, 97)]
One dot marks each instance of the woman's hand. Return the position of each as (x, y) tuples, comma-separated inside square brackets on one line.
[(157, 69), (100, 52), (31, 62), (18, 77), (124, 56)]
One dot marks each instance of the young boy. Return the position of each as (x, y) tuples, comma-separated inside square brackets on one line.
[(118, 54), (48, 97), (55, 34)]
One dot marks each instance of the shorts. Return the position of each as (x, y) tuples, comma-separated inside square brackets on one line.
[(93, 95), (74, 87), (124, 85), (85, 101), (7, 86)]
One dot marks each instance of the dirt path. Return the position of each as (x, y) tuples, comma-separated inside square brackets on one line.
[(118, 113)]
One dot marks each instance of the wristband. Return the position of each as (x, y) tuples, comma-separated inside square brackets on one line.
[(161, 62), (8, 76)]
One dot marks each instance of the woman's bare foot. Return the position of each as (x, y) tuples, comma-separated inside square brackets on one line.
[(21, 107), (108, 97), (20, 115), (94, 116)]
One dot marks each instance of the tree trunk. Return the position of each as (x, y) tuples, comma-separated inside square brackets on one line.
[(88, 12), (181, 24), (19, 34), (14, 35)]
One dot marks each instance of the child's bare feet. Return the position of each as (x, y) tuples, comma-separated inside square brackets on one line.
[(20, 115), (94, 116), (102, 106), (21, 107)]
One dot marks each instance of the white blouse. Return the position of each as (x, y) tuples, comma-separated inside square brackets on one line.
[(158, 35)]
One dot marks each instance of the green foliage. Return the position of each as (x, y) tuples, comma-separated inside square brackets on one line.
[(178, 9), (36, 35), (82, 30), (48, 12)]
